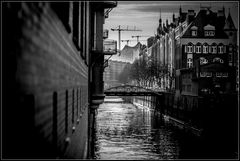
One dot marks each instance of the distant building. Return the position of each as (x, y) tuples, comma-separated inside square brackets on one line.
[(112, 72), (117, 63), (128, 53)]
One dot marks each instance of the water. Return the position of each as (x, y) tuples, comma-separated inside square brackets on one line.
[(124, 131)]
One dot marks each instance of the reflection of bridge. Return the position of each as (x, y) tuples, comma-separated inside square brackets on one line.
[(130, 90)]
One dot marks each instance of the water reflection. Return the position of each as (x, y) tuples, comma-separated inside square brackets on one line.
[(126, 132)]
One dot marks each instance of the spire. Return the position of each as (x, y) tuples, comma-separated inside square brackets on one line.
[(160, 19), (180, 10), (173, 17)]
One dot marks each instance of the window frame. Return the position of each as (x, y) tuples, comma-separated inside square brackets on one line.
[(205, 48)]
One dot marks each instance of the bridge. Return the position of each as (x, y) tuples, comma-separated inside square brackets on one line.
[(130, 90)]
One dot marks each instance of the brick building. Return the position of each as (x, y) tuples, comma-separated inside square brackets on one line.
[(200, 49), (203, 61), (48, 51)]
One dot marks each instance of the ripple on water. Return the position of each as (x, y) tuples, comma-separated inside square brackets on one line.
[(126, 132)]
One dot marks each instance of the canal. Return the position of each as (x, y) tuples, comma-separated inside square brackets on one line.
[(125, 131)]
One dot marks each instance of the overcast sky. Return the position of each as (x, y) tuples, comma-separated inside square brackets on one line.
[(145, 16)]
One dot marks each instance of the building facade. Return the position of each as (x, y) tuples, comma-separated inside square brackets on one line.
[(204, 64), (49, 71), (116, 64), (200, 51)]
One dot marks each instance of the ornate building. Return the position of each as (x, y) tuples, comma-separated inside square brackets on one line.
[(200, 51), (203, 61)]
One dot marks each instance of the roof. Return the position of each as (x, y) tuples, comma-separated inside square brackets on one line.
[(209, 19), (229, 25)]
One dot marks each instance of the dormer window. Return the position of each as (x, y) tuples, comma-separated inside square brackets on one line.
[(194, 30), (209, 30)]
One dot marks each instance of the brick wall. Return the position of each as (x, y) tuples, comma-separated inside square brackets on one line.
[(44, 80)]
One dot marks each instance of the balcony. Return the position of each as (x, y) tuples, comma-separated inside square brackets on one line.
[(109, 47)]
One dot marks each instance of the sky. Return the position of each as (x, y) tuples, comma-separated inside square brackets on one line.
[(144, 15)]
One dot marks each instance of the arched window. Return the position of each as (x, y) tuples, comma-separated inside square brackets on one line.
[(205, 48), (189, 60), (220, 48), (214, 48), (203, 60), (189, 48), (194, 30), (198, 48), (218, 60)]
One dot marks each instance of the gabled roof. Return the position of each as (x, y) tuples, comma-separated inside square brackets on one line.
[(209, 19), (209, 27)]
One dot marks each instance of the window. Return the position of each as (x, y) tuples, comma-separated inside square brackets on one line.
[(203, 61), (219, 60), (206, 33), (76, 24), (189, 60), (205, 74), (205, 48), (220, 49), (73, 106), (214, 49), (230, 57), (198, 49), (220, 74), (194, 32), (66, 113), (209, 33), (224, 74), (209, 30), (189, 88), (189, 49)]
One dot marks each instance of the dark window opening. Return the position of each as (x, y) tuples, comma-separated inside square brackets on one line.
[(54, 132), (66, 113), (73, 106)]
